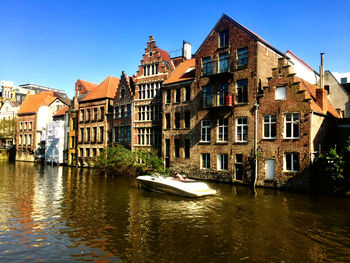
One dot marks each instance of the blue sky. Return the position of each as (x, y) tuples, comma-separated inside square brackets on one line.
[(53, 43)]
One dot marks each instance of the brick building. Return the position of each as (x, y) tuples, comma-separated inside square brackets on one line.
[(294, 118), (123, 112), (177, 115), (82, 88), (95, 113), (231, 65), (155, 67), (36, 111)]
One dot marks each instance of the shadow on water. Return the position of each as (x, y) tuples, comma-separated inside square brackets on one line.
[(62, 214)]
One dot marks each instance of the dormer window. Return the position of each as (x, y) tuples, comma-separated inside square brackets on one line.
[(223, 38)]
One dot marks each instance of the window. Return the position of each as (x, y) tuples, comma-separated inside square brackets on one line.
[(72, 142), (177, 120), (25, 139), (95, 114), (187, 148), (88, 134), (207, 69), (94, 152), (122, 111), (242, 91), (101, 134), (116, 112), (29, 139), (87, 151), (242, 129), (30, 125), (167, 153), (343, 80), (116, 133), (122, 93), (128, 110), (25, 126), (205, 130), (292, 126), (102, 113), (223, 38), (144, 136), (88, 115), (81, 152), (177, 147), (222, 130), (20, 140), (122, 134), (95, 133), (82, 115), (151, 69), (177, 95), (269, 127), (222, 162), (187, 119), (280, 93), (188, 93), (223, 62), (128, 134), (81, 134), (167, 117), (206, 96), (223, 92), (109, 133), (168, 96), (291, 162), (205, 160), (239, 166), (150, 90), (21, 126), (242, 58)]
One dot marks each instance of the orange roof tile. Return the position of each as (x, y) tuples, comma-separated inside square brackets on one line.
[(89, 86), (311, 89), (106, 89), (183, 72), (32, 103), (61, 112)]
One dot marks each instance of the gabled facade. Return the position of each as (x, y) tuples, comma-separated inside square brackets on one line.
[(337, 94), (294, 119), (33, 116), (232, 64), (155, 67), (123, 112), (95, 113)]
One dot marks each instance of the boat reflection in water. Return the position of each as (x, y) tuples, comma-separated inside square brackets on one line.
[(184, 187)]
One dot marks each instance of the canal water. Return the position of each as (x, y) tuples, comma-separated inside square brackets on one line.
[(61, 214)]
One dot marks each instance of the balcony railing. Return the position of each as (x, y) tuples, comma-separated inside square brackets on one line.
[(217, 66)]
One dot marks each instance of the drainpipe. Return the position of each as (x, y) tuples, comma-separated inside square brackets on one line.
[(256, 107)]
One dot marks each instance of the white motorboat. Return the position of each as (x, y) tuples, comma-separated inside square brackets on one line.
[(188, 187)]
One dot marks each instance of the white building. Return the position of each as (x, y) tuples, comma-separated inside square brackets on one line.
[(8, 109)]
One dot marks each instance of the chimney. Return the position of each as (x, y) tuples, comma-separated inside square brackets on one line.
[(186, 50), (150, 39), (321, 99), (322, 72)]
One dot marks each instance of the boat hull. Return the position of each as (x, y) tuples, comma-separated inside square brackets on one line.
[(168, 185)]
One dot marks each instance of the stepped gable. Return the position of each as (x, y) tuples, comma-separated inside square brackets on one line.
[(106, 89), (32, 103), (61, 112), (185, 71)]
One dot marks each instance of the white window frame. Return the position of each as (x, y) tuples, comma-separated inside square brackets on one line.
[(205, 161), (222, 161), (224, 130), (205, 130), (281, 93), (293, 156), (291, 124), (240, 127), (269, 123)]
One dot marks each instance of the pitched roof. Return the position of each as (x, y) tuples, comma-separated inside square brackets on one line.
[(165, 55), (311, 93), (106, 89), (61, 112), (183, 72), (290, 52), (32, 103), (248, 31), (89, 86)]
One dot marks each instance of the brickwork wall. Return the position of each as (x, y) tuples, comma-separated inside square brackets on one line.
[(26, 152)]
